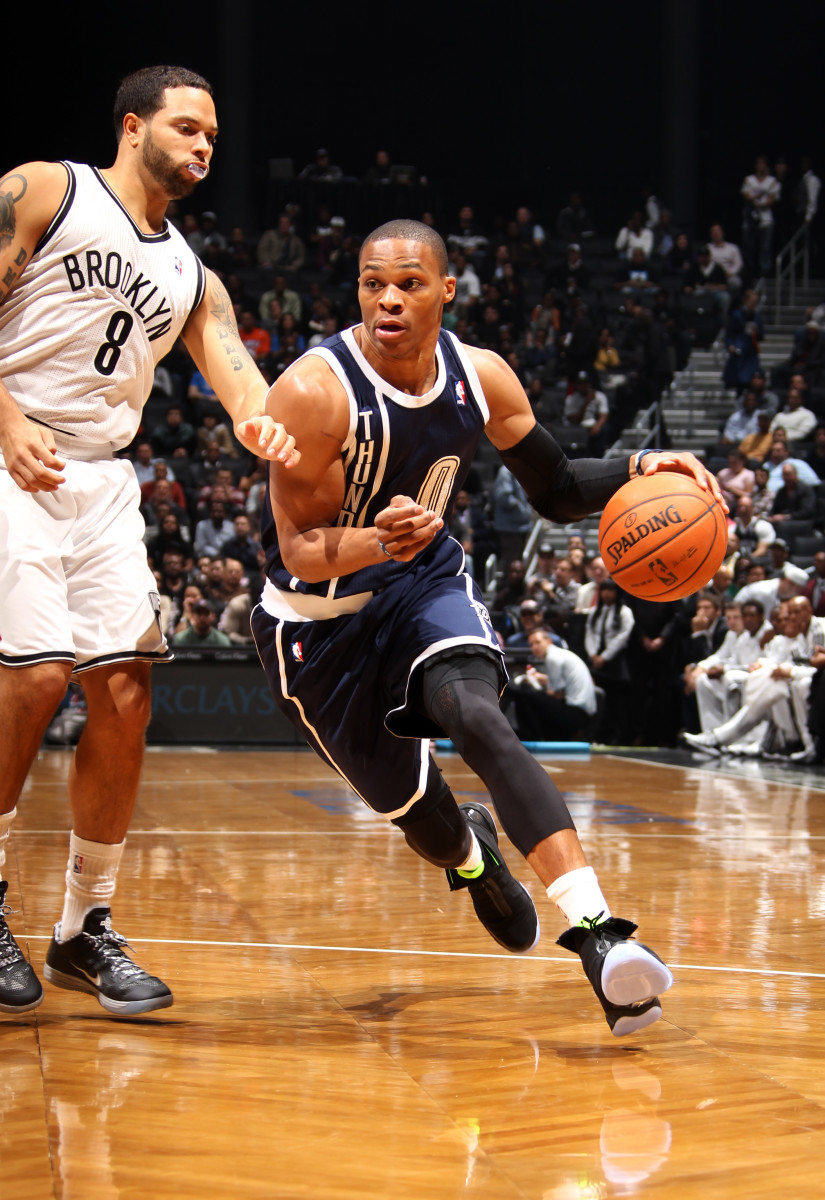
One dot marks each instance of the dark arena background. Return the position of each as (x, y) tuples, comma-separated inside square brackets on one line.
[(343, 1027)]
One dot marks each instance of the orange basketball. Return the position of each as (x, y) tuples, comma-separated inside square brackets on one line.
[(663, 537)]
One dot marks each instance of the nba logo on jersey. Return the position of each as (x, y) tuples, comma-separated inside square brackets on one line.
[(297, 652), (178, 265), (78, 864), (459, 392), (482, 611)]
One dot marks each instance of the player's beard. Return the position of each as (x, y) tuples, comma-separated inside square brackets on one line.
[(174, 180)]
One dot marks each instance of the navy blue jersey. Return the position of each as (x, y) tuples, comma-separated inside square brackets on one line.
[(418, 446)]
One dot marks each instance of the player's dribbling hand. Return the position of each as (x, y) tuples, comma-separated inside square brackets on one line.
[(30, 455), (268, 439), (687, 464), (405, 528)]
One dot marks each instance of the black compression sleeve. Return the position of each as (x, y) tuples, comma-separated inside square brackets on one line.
[(559, 488)]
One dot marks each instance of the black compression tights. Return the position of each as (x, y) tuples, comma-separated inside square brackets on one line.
[(461, 695), (434, 828)]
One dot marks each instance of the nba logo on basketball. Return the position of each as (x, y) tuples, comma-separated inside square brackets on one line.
[(78, 864), (459, 392), (664, 536)]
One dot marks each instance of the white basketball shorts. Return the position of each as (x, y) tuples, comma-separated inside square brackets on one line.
[(75, 584)]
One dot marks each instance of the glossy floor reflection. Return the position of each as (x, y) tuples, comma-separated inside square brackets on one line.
[(344, 1029)]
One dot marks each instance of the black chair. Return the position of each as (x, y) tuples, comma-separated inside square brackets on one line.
[(700, 315), (791, 530), (804, 549)]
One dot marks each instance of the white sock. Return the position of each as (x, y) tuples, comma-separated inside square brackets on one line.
[(474, 859), (5, 829), (91, 875), (579, 896)]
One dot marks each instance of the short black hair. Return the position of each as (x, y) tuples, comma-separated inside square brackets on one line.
[(713, 597), (411, 231), (142, 92)]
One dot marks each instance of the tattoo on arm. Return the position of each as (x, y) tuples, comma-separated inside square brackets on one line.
[(12, 189), (10, 275), (221, 309)]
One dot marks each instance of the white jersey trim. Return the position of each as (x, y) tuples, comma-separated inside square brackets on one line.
[(161, 236), (348, 448), (488, 640), (382, 461), (437, 648), (379, 475), (387, 389), (423, 774), (424, 748), (302, 606)]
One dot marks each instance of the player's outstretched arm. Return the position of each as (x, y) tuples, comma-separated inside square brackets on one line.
[(559, 488), (306, 503), (30, 196), (211, 337)]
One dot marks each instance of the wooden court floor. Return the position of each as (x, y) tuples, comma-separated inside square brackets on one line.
[(343, 1028)]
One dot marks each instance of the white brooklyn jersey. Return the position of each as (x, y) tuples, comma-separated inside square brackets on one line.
[(96, 307)]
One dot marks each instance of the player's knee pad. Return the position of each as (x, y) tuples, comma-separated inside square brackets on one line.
[(434, 827), (460, 693)]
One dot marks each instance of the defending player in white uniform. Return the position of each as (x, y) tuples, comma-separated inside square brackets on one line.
[(95, 286), (85, 380)]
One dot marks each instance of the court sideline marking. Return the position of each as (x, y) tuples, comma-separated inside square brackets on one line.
[(532, 958)]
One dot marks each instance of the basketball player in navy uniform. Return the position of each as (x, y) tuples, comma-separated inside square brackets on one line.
[(375, 638), (95, 286)]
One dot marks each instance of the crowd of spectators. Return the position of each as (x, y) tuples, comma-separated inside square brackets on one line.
[(595, 328), (201, 496), (559, 302), (737, 668)]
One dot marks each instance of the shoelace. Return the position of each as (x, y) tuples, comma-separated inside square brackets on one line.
[(10, 952), (110, 944), (592, 922)]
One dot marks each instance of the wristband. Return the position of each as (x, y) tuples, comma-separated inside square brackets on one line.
[(384, 548), (641, 455)]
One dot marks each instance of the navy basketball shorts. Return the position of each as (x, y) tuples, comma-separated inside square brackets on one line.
[(345, 682)]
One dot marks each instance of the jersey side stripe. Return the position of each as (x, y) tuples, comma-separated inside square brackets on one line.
[(348, 449), (423, 772), (378, 479), (60, 216), (201, 288), (425, 745), (382, 461)]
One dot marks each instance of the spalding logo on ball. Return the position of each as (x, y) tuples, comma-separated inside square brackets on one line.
[(662, 536)]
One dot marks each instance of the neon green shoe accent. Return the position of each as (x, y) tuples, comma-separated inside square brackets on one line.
[(471, 874), (592, 922)]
